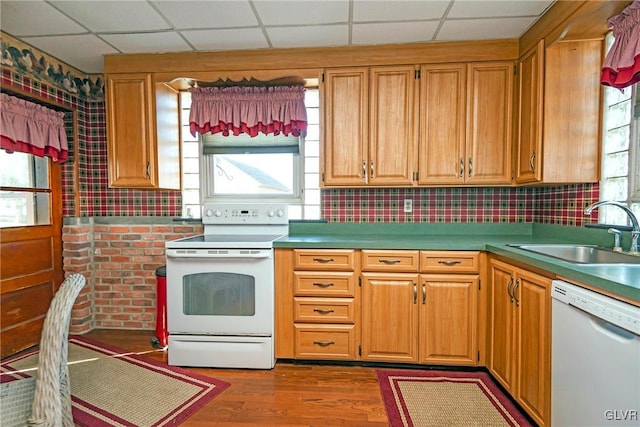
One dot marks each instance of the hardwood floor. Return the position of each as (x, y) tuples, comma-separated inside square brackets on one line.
[(288, 395)]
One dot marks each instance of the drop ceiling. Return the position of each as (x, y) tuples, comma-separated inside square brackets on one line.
[(79, 33)]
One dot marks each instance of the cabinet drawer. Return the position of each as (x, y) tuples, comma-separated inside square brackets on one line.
[(450, 261), (318, 259), (325, 341), (324, 310), (373, 260), (324, 284)]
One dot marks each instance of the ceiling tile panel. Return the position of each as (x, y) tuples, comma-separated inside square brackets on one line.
[(499, 8), (311, 36), (107, 16), (73, 50), (207, 14), (147, 42), (390, 10), (228, 39), (405, 32), (35, 18), (302, 12), (474, 29)]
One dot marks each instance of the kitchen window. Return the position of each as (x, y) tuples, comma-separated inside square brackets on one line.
[(620, 157), (24, 190), (263, 168), (621, 153)]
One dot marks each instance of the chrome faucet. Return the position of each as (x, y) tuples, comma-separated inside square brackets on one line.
[(634, 221)]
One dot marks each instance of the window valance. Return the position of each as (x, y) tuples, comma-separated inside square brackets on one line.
[(622, 64), (251, 110), (31, 128)]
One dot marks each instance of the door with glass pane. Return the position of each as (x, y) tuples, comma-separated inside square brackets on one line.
[(30, 246)]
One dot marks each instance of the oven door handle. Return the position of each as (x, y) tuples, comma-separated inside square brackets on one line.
[(173, 253)]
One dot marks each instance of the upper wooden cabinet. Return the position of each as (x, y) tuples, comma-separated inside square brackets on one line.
[(369, 126), (559, 113), (455, 130), (143, 133), (392, 123), (465, 123), (346, 126)]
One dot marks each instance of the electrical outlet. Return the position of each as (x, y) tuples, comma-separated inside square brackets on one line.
[(408, 205)]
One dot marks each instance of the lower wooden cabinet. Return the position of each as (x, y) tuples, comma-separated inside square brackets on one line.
[(520, 336), (390, 317), (429, 316), (449, 319), (400, 306), (325, 304)]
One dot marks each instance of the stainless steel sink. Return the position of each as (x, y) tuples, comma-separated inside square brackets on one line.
[(581, 254)]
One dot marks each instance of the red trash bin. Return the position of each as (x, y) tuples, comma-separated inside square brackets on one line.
[(162, 334)]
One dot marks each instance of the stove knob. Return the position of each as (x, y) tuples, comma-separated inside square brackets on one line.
[(209, 212), (270, 214), (280, 213), (218, 213)]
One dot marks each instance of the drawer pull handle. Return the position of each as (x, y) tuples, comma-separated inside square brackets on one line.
[(389, 261), (449, 262), (324, 343), (323, 260), (323, 310), (323, 285)]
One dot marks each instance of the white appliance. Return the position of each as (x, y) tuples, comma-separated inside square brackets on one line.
[(595, 362), (220, 288)]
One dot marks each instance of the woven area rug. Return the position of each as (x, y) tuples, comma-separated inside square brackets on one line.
[(445, 398), (110, 387)]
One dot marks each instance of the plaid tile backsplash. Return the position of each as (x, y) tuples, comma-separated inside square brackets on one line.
[(95, 197), (553, 205)]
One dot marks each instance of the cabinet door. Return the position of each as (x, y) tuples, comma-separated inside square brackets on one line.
[(501, 323), (488, 150), (129, 131), (571, 152), (449, 319), (529, 145), (392, 125), (442, 124), (533, 345), (346, 125), (390, 317)]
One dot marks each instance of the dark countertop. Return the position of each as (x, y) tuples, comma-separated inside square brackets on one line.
[(623, 281)]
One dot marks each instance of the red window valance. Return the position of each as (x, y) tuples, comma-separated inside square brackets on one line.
[(251, 110), (31, 128), (622, 65)]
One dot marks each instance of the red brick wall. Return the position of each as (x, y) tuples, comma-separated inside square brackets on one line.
[(119, 262), (76, 255)]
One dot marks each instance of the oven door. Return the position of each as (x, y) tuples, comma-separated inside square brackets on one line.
[(220, 291)]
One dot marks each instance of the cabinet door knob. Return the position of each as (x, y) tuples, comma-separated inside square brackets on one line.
[(323, 310), (415, 293), (388, 261), (470, 166), (323, 260), (424, 293), (324, 343)]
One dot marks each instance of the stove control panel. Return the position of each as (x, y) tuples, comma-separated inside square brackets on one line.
[(238, 213)]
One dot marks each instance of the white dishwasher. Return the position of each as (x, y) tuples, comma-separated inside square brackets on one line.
[(595, 359)]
